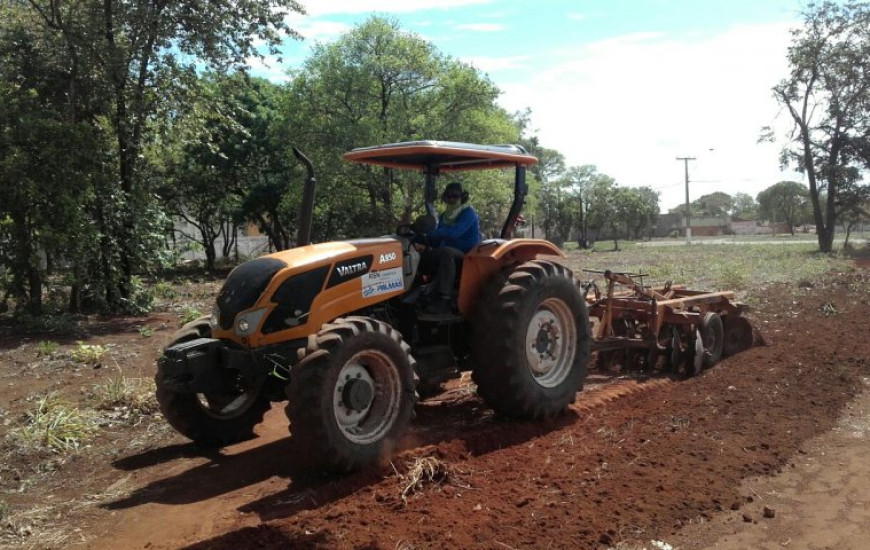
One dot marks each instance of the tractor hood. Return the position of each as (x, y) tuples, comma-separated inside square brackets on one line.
[(293, 290)]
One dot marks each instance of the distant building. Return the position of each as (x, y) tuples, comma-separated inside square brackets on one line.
[(250, 242)]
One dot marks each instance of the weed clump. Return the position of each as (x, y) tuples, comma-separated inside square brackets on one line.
[(87, 354), (54, 425)]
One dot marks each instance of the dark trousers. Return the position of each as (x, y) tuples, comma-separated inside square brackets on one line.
[(441, 263)]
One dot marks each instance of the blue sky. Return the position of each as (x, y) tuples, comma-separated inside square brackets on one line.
[(625, 85)]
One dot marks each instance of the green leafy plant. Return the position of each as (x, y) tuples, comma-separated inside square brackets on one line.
[(46, 348), (87, 354), (54, 425), (146, 332), (165, 290), (189, 314)]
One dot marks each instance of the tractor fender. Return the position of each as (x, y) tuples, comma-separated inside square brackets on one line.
[(488, 258)]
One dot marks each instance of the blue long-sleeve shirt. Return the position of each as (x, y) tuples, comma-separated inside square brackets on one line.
[(462, 234)]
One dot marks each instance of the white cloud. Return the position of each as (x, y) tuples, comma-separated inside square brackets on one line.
[(317, 8), (631, 105), (269, 68), (490, 64), (323, 31), (482, 27)]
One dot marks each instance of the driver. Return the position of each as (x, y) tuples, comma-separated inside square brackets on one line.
[(458, 232)]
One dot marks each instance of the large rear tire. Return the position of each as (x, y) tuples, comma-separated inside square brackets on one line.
[(531, 341), (210, 419), (352, 395)]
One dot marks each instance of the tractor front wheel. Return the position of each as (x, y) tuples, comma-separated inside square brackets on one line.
[(352, 395), (210, 419)]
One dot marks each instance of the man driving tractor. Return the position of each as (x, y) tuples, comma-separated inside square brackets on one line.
[(458, 231)]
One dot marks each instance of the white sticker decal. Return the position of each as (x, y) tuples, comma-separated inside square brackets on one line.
[(382, 282)]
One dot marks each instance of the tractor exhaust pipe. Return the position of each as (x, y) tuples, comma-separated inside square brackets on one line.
[(306, 209)]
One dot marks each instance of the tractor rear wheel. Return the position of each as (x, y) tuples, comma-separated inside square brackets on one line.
[(210, 419), (531, 341), (352, 395)]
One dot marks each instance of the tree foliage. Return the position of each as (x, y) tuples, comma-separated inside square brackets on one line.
[(115, 115), (827, 96), (744, 207), (378, 84), (107, 78), (786, 202)]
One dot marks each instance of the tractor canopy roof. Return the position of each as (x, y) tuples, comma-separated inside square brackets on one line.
[(443, 156)]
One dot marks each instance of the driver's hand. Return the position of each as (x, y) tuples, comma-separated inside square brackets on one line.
[(419, 247)]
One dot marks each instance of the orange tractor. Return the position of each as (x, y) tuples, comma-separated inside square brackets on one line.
[(332, 328)]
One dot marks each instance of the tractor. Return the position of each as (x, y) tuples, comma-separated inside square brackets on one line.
[(333, 329)]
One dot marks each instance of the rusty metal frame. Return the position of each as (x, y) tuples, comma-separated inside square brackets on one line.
[(655, 307)]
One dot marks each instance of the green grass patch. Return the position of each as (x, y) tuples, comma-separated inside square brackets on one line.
[(744, 268), (87, 354), (189, 314), (165, 290), (46, 348), (54, 425)]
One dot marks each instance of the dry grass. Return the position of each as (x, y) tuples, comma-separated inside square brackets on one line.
[(125, 400), (53, 425), (423, 471), (39, 527)]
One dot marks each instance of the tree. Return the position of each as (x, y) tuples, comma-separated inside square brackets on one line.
[(601, 207), (49, 160), (856, 209), (715, 205), (744, 207), (223, 164), (378, 84), (787, 202), (132, 61), (641, 211), (555, 205), (827, 96)]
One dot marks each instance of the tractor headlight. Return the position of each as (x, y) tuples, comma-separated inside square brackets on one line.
[(215, 318), (248, 322)]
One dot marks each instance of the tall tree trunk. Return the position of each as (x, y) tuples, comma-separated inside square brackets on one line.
[(26, 284)]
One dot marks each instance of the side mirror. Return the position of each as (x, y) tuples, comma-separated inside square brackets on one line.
[(424, 224)]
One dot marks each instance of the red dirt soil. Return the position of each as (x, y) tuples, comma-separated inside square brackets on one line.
[(632, 460)]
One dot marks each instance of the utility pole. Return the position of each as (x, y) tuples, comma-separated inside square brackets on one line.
[(688, 210)]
